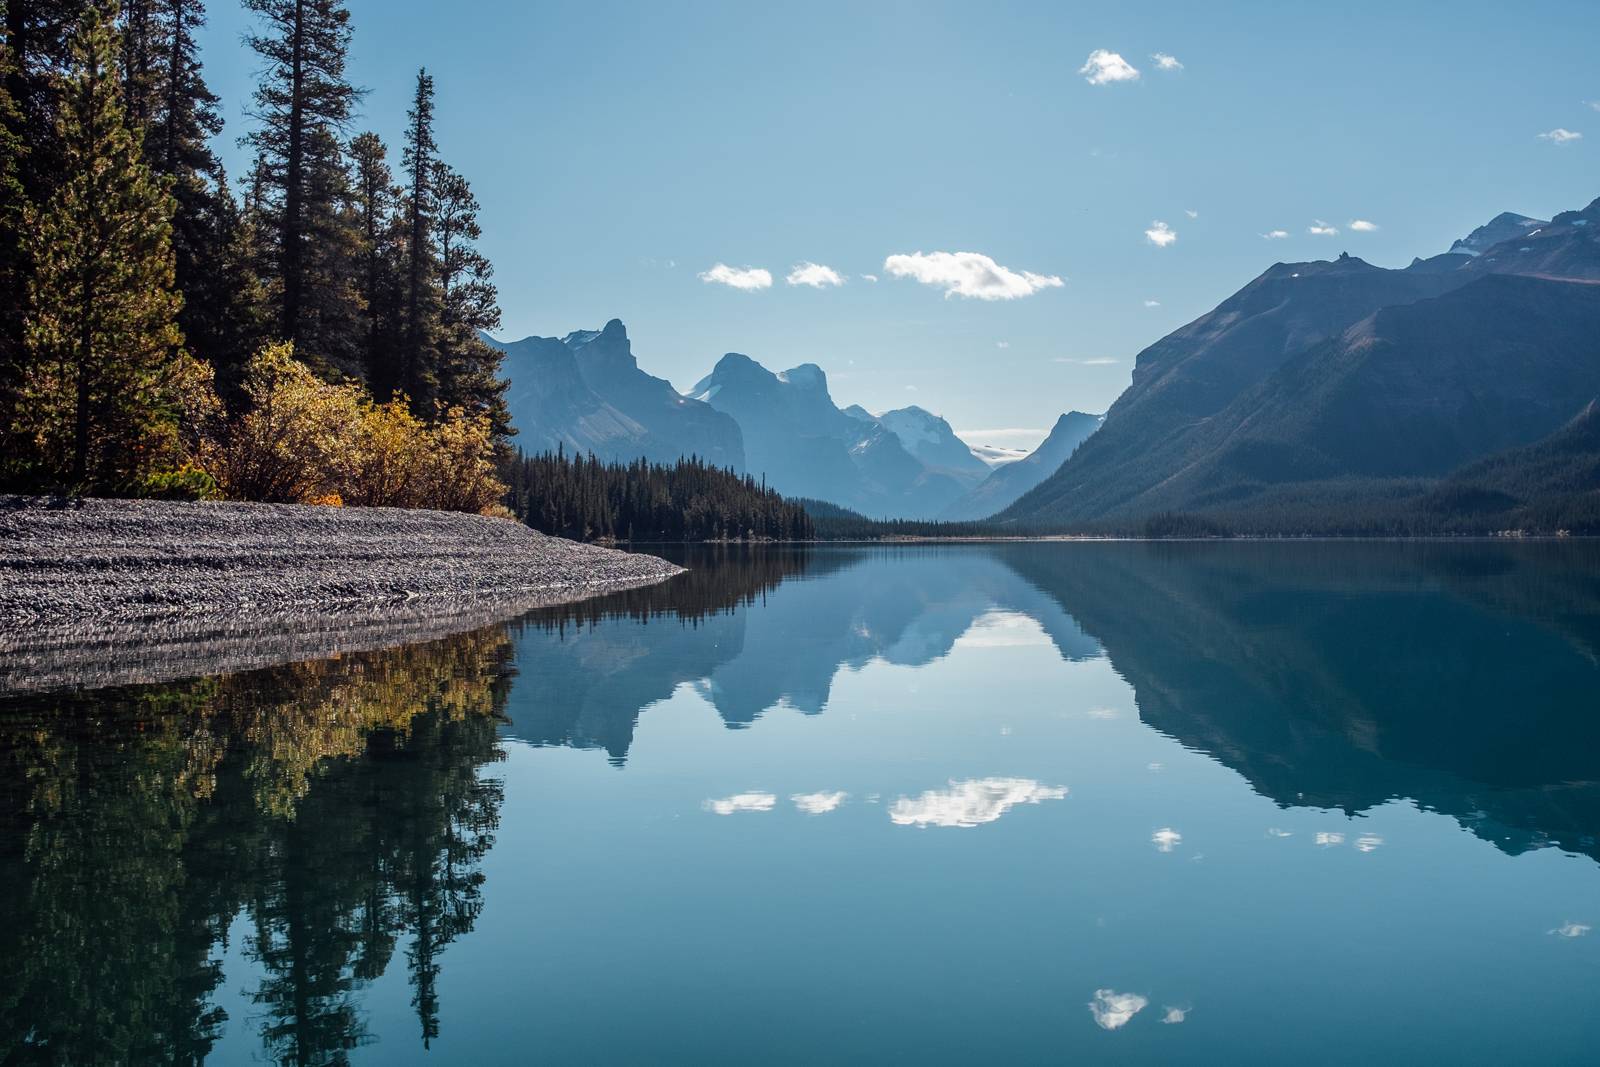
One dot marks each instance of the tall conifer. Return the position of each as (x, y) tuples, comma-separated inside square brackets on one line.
[(102, 334)]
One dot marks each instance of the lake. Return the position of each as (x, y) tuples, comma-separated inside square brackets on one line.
[(1149, 803)]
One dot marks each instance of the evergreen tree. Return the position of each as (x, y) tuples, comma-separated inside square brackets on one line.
[(382, 250), (468, 367), (418, 378), (103, 341), (303, 102), (13, 275)]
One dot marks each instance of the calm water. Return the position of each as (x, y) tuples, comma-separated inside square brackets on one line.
[(1319, 803)]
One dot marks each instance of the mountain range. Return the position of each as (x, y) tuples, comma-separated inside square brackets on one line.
[(585, 393), (1338, 396)]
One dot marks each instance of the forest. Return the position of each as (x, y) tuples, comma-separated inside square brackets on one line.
[(587, 499), (307, 332)]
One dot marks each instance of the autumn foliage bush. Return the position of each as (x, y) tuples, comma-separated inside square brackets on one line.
[(306, 440)]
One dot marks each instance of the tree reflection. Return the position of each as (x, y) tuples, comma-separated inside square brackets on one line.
[(340, 805)]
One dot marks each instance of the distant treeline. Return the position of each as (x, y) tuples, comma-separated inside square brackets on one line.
[(589, 500)]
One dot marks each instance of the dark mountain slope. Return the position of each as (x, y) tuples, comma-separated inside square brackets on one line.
[(1411, 392), (1197, 371)]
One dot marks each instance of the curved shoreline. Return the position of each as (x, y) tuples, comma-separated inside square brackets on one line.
[(104, 592)]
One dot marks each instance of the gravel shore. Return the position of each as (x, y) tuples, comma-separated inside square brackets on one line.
[(102, 574)]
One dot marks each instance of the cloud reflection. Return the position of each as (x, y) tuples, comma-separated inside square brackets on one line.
[(1166, 839), (1112, 1010), (1368, 842), (1175, 1015), (972, 802), (1571, 929), (818, 803), (741, 802), (1327, 839)]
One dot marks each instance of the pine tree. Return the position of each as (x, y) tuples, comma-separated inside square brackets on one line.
[(303, 102), (103, 341), (468, 368), (418, 372), (13, 275), (382, 250)]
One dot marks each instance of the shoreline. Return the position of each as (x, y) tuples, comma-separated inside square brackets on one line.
[(113, 575)]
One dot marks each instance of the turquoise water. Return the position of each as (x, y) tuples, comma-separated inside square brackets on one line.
[(1320, 803)]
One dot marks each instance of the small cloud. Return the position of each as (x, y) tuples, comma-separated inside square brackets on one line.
[(911, 388), (969, 274), (1571, 929), (1363, 226), (1191, 214), (1594, 104), (1327, 839), (1166, 839), (1273, 831), (1112, 1010), (815, 275), (1152, 303), (818, 803), (1561, 135), (1097, 361), (1322, 229), (1176, 1015), (1368, 842), (869, 277), (747, 278), (971, 803), (1102, 713), (1165, 62), (1002, 344), (1275, 235), (1103, 68), (741, 802), (1160, 234), (1155, 767)]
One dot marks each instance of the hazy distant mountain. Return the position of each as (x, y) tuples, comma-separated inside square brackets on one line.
[(805, 446), (930, 438), (1503, 227), (1006, 483), (1320, 373), (586, 392)]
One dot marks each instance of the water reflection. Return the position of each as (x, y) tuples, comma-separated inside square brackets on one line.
[(336, 805), (321, 825), (1334, 675)]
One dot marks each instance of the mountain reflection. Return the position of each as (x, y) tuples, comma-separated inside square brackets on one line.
[(337, 806), (1342, 675)]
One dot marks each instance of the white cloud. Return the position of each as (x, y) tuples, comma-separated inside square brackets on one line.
[(1165, 62), (1561, 135), (1112, 1010), (1160, 234), (815, 275), (869, 277), (741, 802), (1191, 213), (1571, 929), (1097, 361), (971, 803), (1322, 229), (1175, 1015), (1326, 838), (1102, 713), (818, 803), (746, 278), (1152, 303), (1166, 839), (1002, 344), (1103, 68), (970, 274), (1275, 235), (1363, 226)]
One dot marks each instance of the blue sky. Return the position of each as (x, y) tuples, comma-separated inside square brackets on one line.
[(622, 151)]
